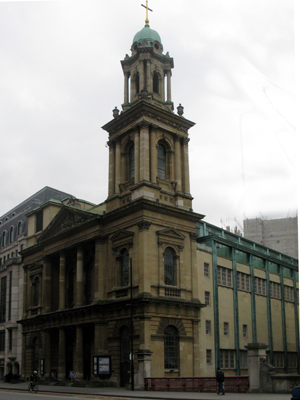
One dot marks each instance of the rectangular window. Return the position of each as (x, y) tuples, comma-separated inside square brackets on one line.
[(2, 340), (275, 291), (219, 275), (208, 327), (229, 278), (243, 282), (227, 359), (260, 286), (3, 299), (208, 356), (245, 331), (224, 276), (206, 269), (247, 283), (207, 298), (226, 328), (39, 221)]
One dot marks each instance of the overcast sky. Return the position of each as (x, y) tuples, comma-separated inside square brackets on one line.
[(61, 77)]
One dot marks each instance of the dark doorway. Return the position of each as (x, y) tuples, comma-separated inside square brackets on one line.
[(124, 356), (88, 339), (70, 339)]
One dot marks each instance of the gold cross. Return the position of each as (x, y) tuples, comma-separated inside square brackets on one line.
[(147, 8)]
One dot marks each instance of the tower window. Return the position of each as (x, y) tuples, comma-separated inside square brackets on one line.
[(131, 162), (169, 267), (137, 83), (161, 161), (155, 83), (171, 344)]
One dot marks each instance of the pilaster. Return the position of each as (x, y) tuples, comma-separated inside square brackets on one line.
[(61, 373), (46, 295), (144, 270)]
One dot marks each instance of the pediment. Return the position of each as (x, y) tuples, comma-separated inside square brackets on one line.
[(66, 219), (121, 235), (171, 233)]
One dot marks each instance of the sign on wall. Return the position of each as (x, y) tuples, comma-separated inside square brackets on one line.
[(102, 366)]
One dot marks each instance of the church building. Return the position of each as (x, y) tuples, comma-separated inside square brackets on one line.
[(142, 269)]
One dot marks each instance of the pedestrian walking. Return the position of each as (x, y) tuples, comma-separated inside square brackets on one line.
[(220, 380)]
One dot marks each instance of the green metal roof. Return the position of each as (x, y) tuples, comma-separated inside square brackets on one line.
[(146, 34)]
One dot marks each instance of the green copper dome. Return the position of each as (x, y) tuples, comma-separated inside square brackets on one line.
[(146, 34)]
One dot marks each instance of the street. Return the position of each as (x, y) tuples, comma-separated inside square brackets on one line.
[(19, 392)]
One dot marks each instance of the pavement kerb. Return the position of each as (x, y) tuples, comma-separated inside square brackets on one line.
[(140, 394)]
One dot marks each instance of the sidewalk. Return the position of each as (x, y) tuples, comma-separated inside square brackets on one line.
[(128, 394)]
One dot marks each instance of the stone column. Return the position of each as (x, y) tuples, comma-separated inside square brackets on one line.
[(118, 167), (136, 155), (256, 354), (153, 155), (169, 96), (144, 151), (178, 164), (126, 87), (25, 289), (111, 177), (186, 167), (62, 281), (61, 373), (96, 295), (144, 368), (79, 278), (79, 353), (46, 295)]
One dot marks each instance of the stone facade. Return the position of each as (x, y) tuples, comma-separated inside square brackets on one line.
[(13, 239)]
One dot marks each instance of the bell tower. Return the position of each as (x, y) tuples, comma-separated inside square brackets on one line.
[(148, 142)]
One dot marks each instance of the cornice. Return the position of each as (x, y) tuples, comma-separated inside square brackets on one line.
[(144, 109)]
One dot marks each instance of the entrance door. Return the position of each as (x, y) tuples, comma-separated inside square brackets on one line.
[(124, 356), (69, 353)]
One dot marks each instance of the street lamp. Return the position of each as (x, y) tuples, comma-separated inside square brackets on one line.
[(117, 254)]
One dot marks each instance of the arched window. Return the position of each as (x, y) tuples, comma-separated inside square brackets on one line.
[(20, 228), (11, 234), (137, 83), (131, 162), (36, 292), (171, 347), (169, 266), (124, 267), (4, 238), (155, 83), (161, 161)]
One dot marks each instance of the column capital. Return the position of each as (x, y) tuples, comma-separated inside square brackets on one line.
[(144, 225), (144, 124)]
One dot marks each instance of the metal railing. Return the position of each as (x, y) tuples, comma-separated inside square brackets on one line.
[(233, 384)]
